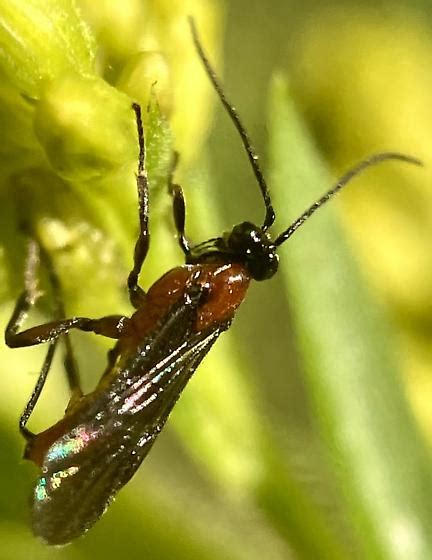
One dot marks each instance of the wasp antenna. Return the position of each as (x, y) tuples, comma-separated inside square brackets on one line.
[(343, 181), (231, 110)]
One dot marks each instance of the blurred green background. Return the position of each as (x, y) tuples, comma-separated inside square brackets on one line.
[(306, 432)]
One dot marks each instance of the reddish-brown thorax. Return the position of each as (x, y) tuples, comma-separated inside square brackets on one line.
[(226, 286)]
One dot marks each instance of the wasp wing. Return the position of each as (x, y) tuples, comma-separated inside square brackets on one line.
[(84, 469)]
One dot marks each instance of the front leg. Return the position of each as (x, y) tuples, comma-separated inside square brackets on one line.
[(179, 207), (137, 294)]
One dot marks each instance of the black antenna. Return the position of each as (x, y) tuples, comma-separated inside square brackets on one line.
[(343, 181), (253, 157)]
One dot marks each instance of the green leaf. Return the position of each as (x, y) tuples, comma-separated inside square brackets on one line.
[(347, 352)]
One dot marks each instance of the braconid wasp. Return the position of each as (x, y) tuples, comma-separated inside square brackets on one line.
[(97, 446)]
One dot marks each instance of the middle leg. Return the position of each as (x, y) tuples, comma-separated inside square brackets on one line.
[(110, 326)]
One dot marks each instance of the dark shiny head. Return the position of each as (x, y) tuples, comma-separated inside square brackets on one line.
[(247, 244), (253, 247)]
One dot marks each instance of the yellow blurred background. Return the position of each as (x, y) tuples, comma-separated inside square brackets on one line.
[(360, 77)]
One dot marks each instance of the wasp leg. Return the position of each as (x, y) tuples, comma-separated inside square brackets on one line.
[(110, 326), (137, 294), (179, 207), (28, 435), (19, 315)]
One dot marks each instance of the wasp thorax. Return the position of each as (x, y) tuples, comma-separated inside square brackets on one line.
[(255, 248)]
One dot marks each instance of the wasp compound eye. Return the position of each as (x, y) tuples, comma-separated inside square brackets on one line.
[(255, 249)]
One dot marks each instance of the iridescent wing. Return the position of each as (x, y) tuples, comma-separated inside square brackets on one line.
[(84, 469)]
